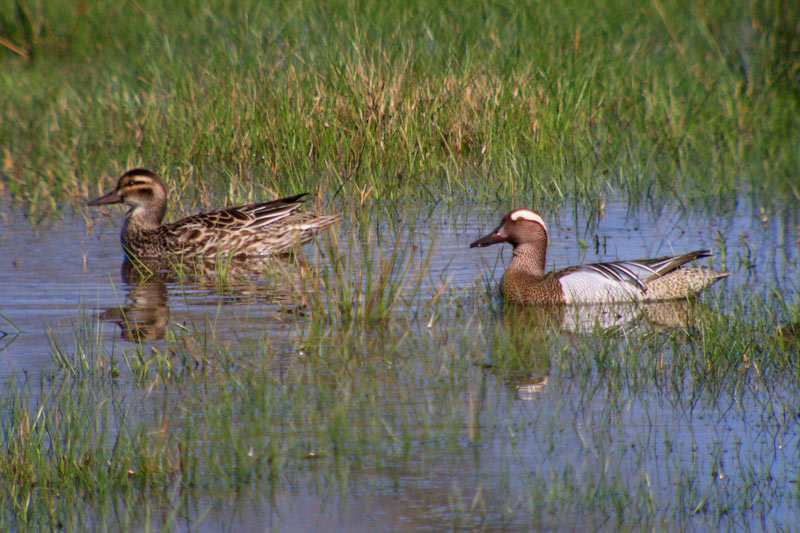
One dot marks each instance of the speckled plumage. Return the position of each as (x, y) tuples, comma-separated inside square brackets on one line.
[(268, 228), (646, 280)]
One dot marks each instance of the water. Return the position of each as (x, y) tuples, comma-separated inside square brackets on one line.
[(53, 274), (537, 430)]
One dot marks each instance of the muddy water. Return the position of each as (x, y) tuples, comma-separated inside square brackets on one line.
[(56, 276)]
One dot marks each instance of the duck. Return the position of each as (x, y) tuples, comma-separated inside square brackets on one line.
[(643, 280), (261, 229)]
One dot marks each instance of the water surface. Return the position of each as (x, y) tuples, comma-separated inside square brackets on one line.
[(534, 428)]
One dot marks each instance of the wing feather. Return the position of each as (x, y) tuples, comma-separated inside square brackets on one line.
[(619, 279)]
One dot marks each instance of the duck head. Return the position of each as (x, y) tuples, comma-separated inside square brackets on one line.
[(520, 226), (142, 190)]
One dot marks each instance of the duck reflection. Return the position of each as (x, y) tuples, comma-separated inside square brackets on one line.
[(145, 314), (530, 329), (626, 318), (620, 318)]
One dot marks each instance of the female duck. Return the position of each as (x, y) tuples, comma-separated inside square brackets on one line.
[(242, 231), (525, 281)]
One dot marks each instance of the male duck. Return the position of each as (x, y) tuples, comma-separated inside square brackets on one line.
[(248, 230), (525, 281)]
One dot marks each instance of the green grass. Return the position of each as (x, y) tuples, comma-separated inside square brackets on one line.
[(532, 103)]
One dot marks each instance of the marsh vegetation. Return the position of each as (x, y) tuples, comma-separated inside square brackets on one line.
[(375, 380)]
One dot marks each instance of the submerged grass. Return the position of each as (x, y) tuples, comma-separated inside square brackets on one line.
[(631, 425), (534, 103)]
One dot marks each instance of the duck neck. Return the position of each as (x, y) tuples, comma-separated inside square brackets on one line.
[(138, 219), (529, 258)]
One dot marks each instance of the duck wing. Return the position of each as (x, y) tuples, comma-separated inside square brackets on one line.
[(241, 217), (619, 280), (637, 272), (233, 228)]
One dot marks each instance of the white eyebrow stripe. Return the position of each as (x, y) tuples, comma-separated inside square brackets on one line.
[(529, 215)]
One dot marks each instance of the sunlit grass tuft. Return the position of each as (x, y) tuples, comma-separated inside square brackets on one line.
[(369, 278)]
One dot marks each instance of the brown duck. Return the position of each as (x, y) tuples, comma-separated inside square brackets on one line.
[(268, 228), (525, 281)]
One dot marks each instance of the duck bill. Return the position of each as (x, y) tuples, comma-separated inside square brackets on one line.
[(111, 198), (493, 238)]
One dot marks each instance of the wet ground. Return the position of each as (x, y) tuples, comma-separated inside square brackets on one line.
[(55, 276)]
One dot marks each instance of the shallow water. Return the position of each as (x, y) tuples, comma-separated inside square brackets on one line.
[(55, 276)]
